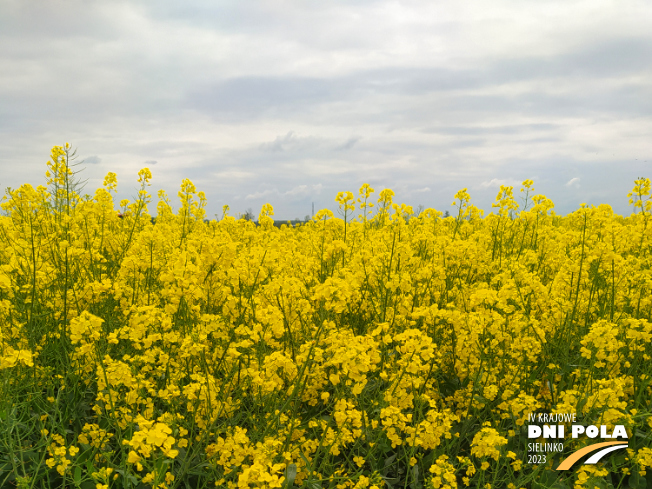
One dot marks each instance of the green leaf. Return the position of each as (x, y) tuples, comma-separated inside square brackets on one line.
[(84, 456), (31, 455), (548, 477), (290, 474), (127, 475), (599, 483), (389, 460), (555, 485), (77, 475), (618, 460), (560, 485), (636, 481), (415, 475)]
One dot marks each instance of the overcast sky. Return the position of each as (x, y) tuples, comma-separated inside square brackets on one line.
[(290, 102)]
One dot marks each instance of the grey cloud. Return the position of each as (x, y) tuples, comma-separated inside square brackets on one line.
[(473, 130), (243, 99), (608, 58), (616, 57), (92, 160), (255, 96), (281, 143), (151, 162), (247, 97), (348, 144)]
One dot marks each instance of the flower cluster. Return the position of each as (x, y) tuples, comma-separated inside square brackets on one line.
[(378, 346)]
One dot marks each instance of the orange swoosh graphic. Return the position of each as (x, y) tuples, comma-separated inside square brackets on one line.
[(574, 457)]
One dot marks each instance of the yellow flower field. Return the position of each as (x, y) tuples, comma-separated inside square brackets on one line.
[(375, 348)]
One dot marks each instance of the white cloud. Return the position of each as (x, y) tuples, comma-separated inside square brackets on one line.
[(294, 193), (303, 190), (573, 182), (497, 182), (421, 190), (299, 190), (260, 195), (233, 175)]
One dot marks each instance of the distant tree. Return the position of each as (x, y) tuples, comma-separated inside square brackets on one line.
[(307, 218), (248, 215), (447, 214)]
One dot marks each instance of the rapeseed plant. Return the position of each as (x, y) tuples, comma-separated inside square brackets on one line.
[(384, 349)]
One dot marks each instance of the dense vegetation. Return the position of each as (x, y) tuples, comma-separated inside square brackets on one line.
[(375, 349)]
